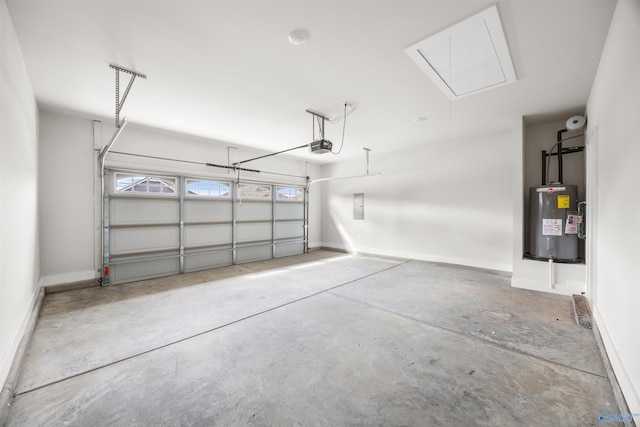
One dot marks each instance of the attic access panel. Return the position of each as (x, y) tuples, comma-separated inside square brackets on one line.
[(466, 58)]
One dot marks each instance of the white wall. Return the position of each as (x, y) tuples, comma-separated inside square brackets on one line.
[(70, 216), (445, 202), (19, 270), (613, 111), (66, 199)]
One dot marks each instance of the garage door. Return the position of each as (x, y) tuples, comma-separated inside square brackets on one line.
[(158, 225)]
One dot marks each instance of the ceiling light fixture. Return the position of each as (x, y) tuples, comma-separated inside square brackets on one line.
[(299, 37)]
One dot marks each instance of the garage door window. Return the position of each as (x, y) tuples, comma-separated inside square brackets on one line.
[(209, 189), (289, 194), (152, 185), (254, 191)]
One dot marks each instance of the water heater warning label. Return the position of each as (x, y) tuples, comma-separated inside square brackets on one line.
[(563, 201), (552, 227)]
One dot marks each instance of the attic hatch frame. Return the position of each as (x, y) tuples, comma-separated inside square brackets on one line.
[(104, 246), (488, 37)]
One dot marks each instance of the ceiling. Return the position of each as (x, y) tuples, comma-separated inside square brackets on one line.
[(225, 70)]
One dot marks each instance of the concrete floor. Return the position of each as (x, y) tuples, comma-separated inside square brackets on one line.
[(317, 339)]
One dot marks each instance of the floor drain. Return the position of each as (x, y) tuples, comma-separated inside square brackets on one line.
[(582, 311)]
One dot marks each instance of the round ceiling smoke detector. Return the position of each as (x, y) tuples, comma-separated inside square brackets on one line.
[(299, 37), (576, 122)]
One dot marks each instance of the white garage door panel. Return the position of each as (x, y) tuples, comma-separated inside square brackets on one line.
[(143, 239), (251, 232), (207, 234), (253, 211), (254, 253), (146, 269), (195, 262), (289, 211), (289, 229), (207, 211), (132, 211), (286, 249)]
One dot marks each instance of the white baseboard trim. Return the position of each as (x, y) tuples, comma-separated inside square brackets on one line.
[(340, 248), (314, 245), (569, 288), (76, 276), (631, 395), (426, 257), (14, 357)]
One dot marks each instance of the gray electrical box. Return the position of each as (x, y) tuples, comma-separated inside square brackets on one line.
[(553, 223), (358, 205)]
